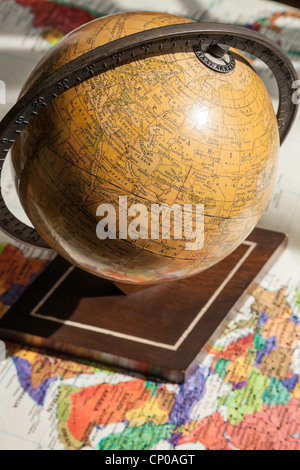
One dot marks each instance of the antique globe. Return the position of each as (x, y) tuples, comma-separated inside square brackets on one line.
[(155, 131)]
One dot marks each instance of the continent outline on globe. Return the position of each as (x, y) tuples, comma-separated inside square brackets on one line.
[(175, 175)]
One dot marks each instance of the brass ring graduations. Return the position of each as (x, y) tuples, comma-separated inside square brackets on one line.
[(166, 39), (222, 62)]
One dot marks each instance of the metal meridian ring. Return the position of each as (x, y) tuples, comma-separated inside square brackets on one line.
[(155, 41), (214, 62)]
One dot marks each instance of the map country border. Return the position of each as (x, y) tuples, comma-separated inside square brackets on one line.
[(94, 327), (190, 417)]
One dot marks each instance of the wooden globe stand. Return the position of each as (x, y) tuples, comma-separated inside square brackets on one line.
[(160, 330), (157, 331)]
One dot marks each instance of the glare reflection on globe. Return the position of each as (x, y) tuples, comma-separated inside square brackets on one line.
[(162, 129)]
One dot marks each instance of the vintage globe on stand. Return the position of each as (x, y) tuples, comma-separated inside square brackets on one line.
[(160, 129)]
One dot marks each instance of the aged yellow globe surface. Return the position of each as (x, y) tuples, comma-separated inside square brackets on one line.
[(161, 129)]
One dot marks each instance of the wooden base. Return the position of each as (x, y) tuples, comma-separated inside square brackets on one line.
[(158, 331)]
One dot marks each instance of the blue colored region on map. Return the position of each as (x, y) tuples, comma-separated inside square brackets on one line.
[(24, 371)]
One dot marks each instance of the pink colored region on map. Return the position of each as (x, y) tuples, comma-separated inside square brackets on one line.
[(273, 428), (51, 14)]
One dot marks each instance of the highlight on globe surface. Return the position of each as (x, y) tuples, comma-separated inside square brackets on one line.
[(145, 146)]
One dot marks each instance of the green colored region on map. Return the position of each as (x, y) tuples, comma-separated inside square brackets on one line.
[(251, 354), (152, 386), (297, 299), (136, 414), (221, 367), (259, 341), (248, 399), (2, 247), (64, 402), (141, 437), (276, 393)]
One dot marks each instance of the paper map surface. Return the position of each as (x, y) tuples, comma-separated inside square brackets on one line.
[(246, 391)]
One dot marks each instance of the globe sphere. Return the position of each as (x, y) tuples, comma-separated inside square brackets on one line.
[(158, 130)]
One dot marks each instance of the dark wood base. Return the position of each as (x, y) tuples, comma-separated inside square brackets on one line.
[(158, 331)]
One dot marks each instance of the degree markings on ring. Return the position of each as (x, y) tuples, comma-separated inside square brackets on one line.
[(155, 41)]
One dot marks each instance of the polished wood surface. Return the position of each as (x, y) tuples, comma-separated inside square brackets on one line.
[(157, 331)]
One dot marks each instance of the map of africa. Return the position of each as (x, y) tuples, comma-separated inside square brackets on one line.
[(246, 391)]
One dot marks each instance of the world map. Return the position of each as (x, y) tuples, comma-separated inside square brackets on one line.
[(57, 18), (245, 393)]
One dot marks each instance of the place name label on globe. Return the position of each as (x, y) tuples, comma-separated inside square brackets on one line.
[(187, 221)]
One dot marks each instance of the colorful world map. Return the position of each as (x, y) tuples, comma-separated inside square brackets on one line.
[(244, 395), (57, 18)]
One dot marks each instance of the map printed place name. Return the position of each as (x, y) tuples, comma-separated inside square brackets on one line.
[(250, 380), (153, 459), (183, 216)]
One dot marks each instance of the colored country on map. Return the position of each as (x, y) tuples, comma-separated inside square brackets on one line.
[(277, 363), (24, 370), (137, 438), (190, 393), (248, 399), (37, 371), (276, 393), (57, 18), (238, 371), (234, 350), (156, 409), (54, 14), (16, 273), (272, 303), (284, 330), (275, 428), (278, 22), (269, 349), (273, 21), (80, 410), (266, 346)]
